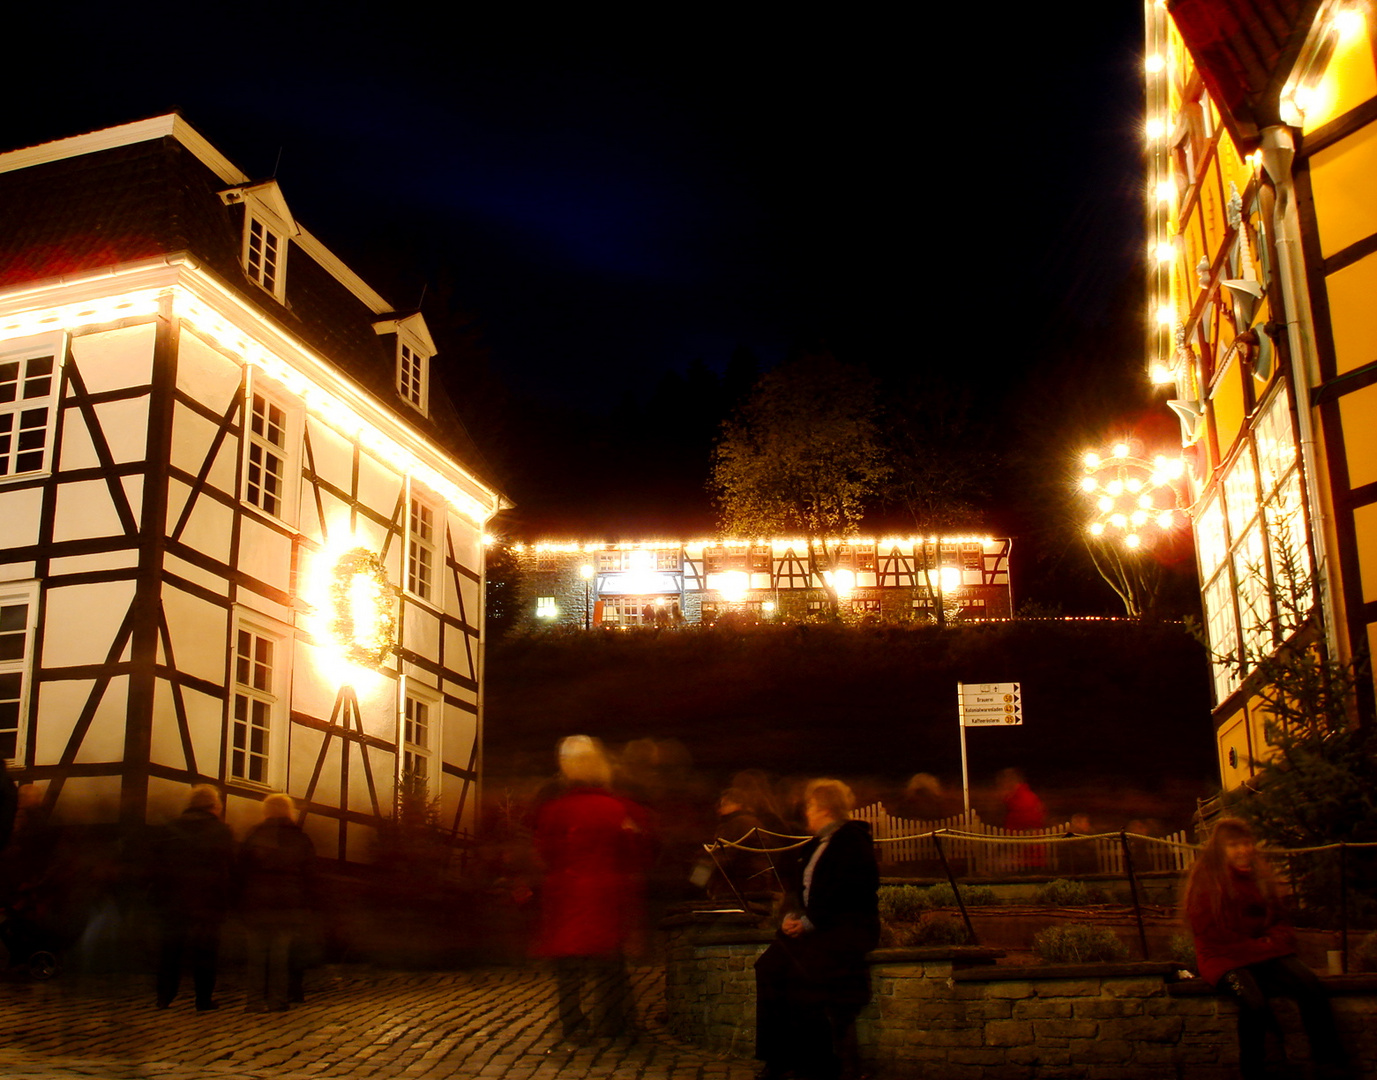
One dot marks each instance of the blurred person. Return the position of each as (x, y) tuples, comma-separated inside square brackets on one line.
[(758, 797), (813, 980), (1245, 946), (736, 872), (593, 845), (192, 862), (923, 799), (1023, 812), (275, 895)]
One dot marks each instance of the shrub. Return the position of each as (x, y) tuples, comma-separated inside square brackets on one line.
[(1181, 950), (931, 931), (940, 930), (1365, 955), (903, 903), (941, 895), (1077, 943), (1064, 893)]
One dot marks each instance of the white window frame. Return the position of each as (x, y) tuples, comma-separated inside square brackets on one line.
[(22, 409), (269, 694), (258, 447), (422, 552), (265, 254), (416, 695), (413, 373), (11, 595), (546, 608)]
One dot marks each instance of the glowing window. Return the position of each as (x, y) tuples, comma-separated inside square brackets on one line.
[(27, 394), (265, 477), (412, 370), (17, 611), (420, 550), (263, 251), (253, 705), (545, 607)]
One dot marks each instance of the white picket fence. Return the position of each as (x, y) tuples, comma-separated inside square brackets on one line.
[(977, 847)]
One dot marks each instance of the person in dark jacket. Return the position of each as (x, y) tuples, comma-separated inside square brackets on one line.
[(191, 884), (275, 896), (813, 980)]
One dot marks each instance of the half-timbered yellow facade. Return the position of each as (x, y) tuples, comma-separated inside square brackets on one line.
[(236, 543), (1261, 130)]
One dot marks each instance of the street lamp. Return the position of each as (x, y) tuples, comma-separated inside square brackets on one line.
[(586, 572), (1135, 503)]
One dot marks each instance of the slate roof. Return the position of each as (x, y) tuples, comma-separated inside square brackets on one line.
[(156, 197), (1245, 50)]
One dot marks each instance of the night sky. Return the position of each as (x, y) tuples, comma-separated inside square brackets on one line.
[(610, 219)]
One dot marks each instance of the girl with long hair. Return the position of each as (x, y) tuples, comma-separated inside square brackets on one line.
[(1244, 946)]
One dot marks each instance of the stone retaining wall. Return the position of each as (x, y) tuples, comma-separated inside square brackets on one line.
[(949, 1014)]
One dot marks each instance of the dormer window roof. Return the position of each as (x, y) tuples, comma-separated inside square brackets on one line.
[(414, 351), (268, 225)]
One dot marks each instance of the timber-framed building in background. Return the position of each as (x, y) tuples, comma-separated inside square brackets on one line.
[(667, 582), (1262, 136), (238, 544)]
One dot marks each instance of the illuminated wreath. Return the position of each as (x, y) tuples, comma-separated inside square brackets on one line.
[(360, 575)]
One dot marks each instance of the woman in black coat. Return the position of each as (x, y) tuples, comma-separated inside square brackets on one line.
[(813, 980)]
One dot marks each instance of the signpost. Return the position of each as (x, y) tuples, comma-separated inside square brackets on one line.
[(985, 705)]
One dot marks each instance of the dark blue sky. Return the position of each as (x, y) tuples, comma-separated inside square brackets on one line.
[(609, 198)]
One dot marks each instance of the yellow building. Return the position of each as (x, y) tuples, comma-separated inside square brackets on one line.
[(1261, 128)]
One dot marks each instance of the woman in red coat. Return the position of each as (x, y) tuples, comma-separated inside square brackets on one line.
[(1245, 946), (592, 843)]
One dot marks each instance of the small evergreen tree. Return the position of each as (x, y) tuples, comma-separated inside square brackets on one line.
[(1318, 785)]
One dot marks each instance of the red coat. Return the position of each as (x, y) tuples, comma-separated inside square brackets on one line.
[(593, 845), (1247, 930), (1023, 809)]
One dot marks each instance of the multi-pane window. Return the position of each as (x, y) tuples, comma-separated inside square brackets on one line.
[(26, 412), (411, 376), (546, 608), (420, 550), (263, 256), (1254, 551), (16, 631), (254, 699), (265, 479), (416, 741)]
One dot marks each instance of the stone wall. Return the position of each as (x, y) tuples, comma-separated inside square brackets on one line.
[(949, 1014)]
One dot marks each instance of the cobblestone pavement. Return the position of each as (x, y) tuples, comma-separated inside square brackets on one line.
[(491, 1024)]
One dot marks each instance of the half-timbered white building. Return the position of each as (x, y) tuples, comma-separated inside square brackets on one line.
[(663, 582), (238, 543)]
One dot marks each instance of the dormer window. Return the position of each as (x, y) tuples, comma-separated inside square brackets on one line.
[(414, 350), (268, 226)]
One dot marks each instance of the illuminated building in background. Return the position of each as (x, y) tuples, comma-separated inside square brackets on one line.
[(1261, 131), (669, 582), (236, 543)]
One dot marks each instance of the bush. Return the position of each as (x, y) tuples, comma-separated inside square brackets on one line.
[(903, 903), (941, 895), (1077, 943), (1064, 893), (1181, 950), (931, 931)]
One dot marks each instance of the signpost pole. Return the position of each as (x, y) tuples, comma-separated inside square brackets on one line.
[(961, 723)]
